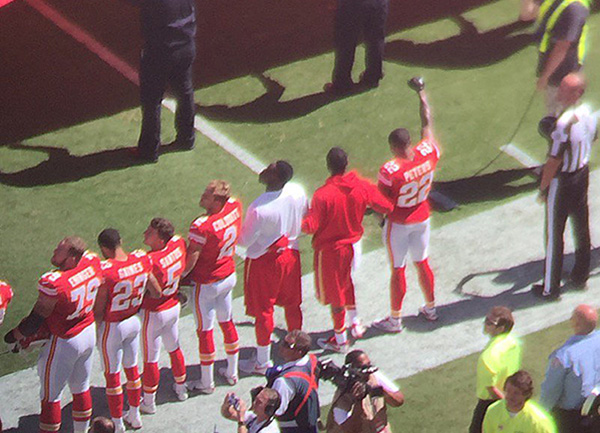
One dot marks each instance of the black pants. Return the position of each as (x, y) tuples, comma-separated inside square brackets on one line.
[(479, 414), (157, 69), (567, 198), (352, 18), (571, 421)]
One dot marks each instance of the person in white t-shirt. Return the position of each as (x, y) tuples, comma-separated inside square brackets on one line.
[(272, 272)]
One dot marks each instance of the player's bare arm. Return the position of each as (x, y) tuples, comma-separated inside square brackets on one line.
[(153, 286), (557, 55), (30, 324), (100, 303), (393, 399), (426, 118), (193, 252)]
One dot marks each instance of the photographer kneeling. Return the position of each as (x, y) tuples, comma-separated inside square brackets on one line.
[(360, 403), (265, 402)]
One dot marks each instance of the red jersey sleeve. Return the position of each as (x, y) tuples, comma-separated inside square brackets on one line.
[(46, 284), (198, 233)]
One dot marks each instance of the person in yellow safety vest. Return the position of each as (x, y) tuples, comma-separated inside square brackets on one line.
[(563, 30), (500, 358)]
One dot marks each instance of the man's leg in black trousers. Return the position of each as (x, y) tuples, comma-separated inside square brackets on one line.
[(581, 231), (556, 219), (153, 78), (183, 88), (346, 31), (374, 21)]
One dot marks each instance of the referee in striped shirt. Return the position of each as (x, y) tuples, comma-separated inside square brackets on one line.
[(564, 187)]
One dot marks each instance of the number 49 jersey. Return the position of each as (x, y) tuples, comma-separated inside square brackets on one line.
[(409, 182), (218, 236), (125, 282), (75, 293), (167, 266)]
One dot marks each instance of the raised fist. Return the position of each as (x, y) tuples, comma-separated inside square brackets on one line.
[(416, 83)]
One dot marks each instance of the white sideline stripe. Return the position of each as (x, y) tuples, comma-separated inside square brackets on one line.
[(130, 73), (516, 153), (204, 127)]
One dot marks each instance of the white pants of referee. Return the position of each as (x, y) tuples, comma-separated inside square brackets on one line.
[(567, 198)]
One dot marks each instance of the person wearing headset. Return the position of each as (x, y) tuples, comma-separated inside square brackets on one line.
[(265, 402)]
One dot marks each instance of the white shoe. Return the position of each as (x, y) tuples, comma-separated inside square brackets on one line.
[(389, 324), (119, 425), (134, 420), (357, 330), (429, 313), (198, 386), (250, 366), (231, 380), (332, 344), (181, 391), (149, 409)]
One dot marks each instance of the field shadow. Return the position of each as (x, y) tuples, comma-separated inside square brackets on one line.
[(62, 167), (470, 48), (487, 187), (268, 108), (517, 297)]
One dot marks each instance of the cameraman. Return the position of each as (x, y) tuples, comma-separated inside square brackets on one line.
[(297, 382), (265, 401), (362, 407)]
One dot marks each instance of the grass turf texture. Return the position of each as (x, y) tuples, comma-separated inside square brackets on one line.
[(476, 109)]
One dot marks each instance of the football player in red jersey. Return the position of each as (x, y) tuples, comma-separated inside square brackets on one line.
[(6, 295), (335, 221), (160, 312), (406, 181), (65, 304), (212, 240), (119, 298)]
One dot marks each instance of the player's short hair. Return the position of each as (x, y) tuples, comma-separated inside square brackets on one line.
[(301, 341), (399, 138), (337, 160), (101, 424), (522, 381), (220, 189), (284, 171), (109, 238), (502, 316), (164, 227), (546, 126), (76, 245)]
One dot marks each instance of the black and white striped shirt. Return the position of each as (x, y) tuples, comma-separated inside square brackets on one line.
[(573, 137)]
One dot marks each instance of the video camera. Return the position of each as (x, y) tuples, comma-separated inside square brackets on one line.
[(346, 376)]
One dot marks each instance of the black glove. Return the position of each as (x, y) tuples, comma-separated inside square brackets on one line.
[(416, 83)]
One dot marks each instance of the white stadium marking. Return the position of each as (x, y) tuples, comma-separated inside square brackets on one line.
[(131, 74), (524, 159)]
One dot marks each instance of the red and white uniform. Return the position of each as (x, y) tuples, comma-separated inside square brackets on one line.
[(214, 279), (335, 220), (119, 333), (160, 316), (407, 229), (6, 295), (272, 274), (67, 358)]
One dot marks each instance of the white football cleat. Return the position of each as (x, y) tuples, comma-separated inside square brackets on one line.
[(357, 330), (429, 313), (389, 324), (133, 419), (231, 380), (332, 344), (250, 366), (181, 391), (148, 409)]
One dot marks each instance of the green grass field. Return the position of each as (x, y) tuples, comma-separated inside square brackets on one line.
[(80, 179)]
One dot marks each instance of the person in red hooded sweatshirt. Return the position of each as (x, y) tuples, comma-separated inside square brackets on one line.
[(335, 221)]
